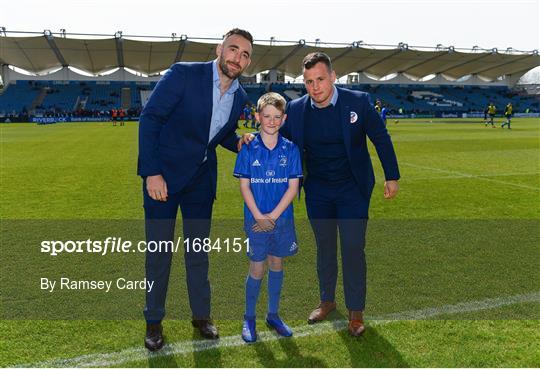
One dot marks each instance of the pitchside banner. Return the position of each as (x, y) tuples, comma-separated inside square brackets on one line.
[(95, 269), (51, 120)]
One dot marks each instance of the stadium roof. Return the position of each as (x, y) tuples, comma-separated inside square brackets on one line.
[(40, 54)]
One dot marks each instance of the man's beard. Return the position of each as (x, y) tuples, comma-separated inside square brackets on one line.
[(226, 71)]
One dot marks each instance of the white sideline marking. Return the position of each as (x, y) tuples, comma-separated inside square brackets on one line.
[(467, 175), (185, 347)]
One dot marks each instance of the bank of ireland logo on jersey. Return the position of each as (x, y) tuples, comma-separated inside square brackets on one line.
[(270, 173), (354, 117)]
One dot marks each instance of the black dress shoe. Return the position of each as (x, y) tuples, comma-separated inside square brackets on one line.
[(206, 328), (153, 340)]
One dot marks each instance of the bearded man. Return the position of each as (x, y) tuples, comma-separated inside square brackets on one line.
[(193, 108)]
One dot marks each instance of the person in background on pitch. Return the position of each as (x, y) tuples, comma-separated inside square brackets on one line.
[(508, 115), (378, 106), (193, 108), (269, 169), (247, 113), (384, 113), (491, 109), (253, 118), (121, 116)]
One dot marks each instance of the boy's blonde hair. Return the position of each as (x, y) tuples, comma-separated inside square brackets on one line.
[(271, 98)]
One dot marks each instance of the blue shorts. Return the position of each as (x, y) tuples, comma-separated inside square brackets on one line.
[(280, 244)]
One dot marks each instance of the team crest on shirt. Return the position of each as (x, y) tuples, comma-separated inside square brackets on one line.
[(282, 161), (354, 117)]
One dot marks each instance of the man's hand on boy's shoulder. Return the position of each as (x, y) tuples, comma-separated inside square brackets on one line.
[(245, 139)]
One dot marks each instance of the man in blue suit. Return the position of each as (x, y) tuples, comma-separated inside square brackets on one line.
[(193, 108), (330, 126)]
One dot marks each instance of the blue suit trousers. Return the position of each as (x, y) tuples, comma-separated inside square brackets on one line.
[(332, 207), (195, 202)]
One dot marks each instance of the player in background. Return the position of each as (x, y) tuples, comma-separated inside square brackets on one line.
[(121, 115), (378, 106), (247, 115), (114, 114), (269, 169), (384, 113), (508, 115), (253, 117), (491, 109)]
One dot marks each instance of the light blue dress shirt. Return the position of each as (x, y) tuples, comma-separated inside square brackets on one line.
[(221, 104)]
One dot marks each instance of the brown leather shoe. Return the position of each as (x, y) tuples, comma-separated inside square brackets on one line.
[(321, 312), (206, 328), (356, 323)]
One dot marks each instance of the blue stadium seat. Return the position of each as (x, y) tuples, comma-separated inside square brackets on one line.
[(103, 96)]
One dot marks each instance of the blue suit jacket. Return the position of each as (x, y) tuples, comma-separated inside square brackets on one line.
[(368, 123), (175, 125)]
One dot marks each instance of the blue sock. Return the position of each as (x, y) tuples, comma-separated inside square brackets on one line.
[(153, 321), (275, 281), (253, 287)]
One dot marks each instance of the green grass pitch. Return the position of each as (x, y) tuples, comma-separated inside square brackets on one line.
[(463, 230)]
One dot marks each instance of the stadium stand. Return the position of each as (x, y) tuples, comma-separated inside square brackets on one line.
[(100, 97), (433, 100), (464, 82), (19, 98)]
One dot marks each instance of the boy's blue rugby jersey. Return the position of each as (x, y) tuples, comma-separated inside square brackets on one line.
[(269, 172)]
